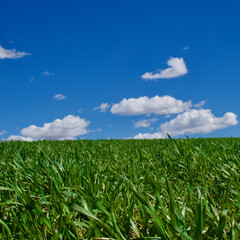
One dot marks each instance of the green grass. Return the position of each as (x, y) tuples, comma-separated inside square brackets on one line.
[(120, 189)]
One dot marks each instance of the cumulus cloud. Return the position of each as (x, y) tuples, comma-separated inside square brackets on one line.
[(177, 68), (19, 138), (11, 53), (103, 107), (157, 135), (193, 121), (60, 129), (144, 105), (145, 123), (59, 97), (198, 121)]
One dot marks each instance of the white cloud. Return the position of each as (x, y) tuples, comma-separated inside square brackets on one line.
[(200, 104), (59, 97), (144, 105), (144, 123), (177, 68), (96, 130), (167, 116), (198, 121), (19, 138), (103, 107), (156, 135), (193, 121), (186, 48), (2, 133), (60, 129), (11, 53), (46, 73)]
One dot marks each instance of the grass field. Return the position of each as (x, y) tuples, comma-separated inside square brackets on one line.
[(120, 189)]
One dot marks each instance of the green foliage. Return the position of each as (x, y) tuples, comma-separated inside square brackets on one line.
[(120, 189)]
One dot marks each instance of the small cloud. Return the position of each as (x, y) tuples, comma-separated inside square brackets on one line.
[(97, 130), (79, 110), (177, 68), (186, 48), (46, 73), (12, 53), (59, 97), (200, 104), (2, 132), (31, 79), (103, 107), (145, 123)]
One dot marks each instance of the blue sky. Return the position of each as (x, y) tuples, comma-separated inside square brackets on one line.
[(60, 60)]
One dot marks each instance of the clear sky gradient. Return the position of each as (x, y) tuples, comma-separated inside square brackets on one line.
[(63, 59)]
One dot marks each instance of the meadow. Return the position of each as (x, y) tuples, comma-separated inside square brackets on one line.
[(120, 189)]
